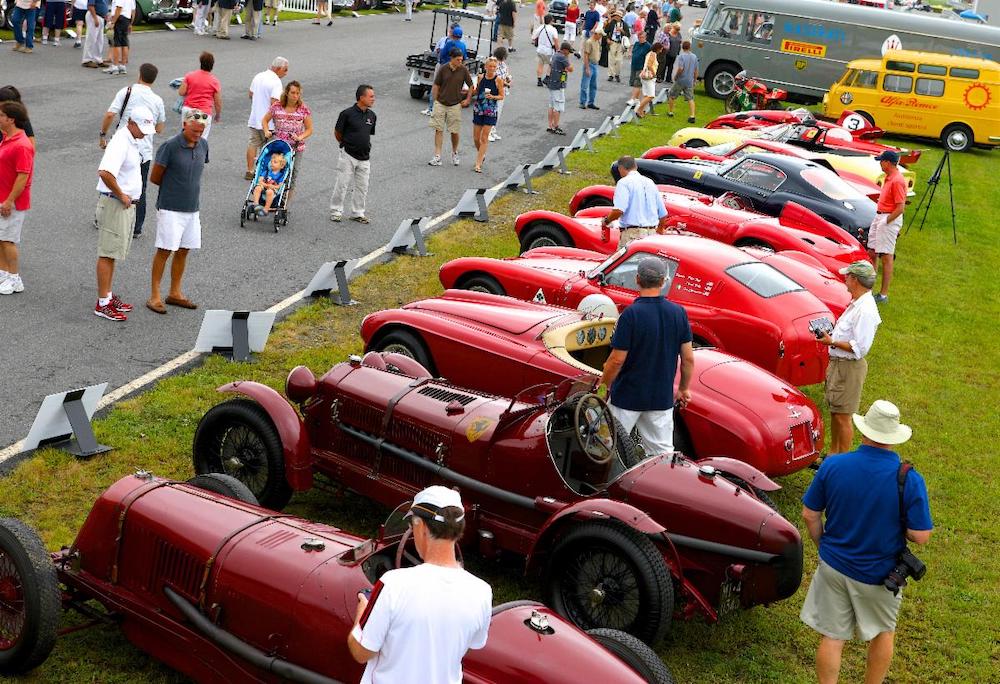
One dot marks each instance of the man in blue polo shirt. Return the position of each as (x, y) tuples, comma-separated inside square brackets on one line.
[(649, 337), (638, 203), (866, 528)]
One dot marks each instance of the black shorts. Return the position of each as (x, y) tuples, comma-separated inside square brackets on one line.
[(634, 80), (79, 14), (119, 38)]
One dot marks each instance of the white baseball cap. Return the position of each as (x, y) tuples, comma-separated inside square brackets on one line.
[(429, 502), (144, 119)]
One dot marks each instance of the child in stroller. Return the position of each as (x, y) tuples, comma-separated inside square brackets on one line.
[(269, 183)]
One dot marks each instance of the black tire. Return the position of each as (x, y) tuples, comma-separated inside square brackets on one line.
[(277, 222), (31, 588), (408, 344), (226, 485), (243, 216), (5, 21), (747, 487), (602, 557), (695, 143), (957, 138), (774, 105), (627, 447), (720, 79), (237, 438), (482, 283), (596, 201), (633, 653), (417, 92), (682, 439), (865, 115), (544, 234)]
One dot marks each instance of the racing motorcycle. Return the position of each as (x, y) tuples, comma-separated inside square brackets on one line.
[(749, 93)]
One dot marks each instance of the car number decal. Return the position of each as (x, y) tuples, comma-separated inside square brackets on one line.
[(478, 427), (539, 297)]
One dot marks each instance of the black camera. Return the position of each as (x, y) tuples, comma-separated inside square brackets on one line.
[(820, 327), (907, 565)]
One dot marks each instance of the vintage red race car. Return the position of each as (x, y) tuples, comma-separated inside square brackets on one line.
[(736, 409), (734, 301), (223, 590), (728, 219), (542, 476)]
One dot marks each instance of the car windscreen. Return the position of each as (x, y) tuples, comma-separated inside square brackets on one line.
[(756, 173), (722, 149), (763, 279), (623, 275), (828, 183)]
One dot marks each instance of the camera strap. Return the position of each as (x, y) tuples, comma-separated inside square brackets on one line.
[(904, 468)]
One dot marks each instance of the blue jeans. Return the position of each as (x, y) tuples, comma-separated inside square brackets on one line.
[(496, 28), (588, 86), (27, 39)]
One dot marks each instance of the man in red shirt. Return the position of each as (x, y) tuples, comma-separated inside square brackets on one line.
[(888, 219), (17, 162)]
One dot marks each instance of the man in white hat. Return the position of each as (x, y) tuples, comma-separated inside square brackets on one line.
[(417, 623), (874, 504), (849, 343)]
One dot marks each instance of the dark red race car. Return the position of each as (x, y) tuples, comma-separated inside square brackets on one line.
[(542, 476), (734, 301), (736, 409), (223, 590)]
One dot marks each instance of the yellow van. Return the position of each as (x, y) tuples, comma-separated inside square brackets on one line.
[(924, 94)]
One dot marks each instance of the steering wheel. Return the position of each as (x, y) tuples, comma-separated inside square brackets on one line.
[(734, 201), (594, 429), (407, 551)]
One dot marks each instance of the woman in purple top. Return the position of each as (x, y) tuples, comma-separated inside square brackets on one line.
[(292, 121)]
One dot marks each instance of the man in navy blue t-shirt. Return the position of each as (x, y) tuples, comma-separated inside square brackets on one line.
[(651, 333), (859, 542)]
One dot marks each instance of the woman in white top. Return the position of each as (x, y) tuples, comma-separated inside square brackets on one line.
[(647, 78)]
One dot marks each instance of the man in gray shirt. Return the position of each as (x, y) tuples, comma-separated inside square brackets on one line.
[(685, 74), (177, 170)]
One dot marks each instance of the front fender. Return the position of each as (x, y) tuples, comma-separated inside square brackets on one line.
[(530, 217), (744, 471), (591, 509), (295, 445), (605, 191)]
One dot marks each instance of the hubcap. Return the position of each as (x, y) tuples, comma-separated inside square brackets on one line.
[(723, 83), (957, 140), (12, 609), (480, 288), (601, 589), (542, 242), (396, 348), (243, 456)]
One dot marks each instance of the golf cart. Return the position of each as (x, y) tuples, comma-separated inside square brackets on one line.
[(422, 66)]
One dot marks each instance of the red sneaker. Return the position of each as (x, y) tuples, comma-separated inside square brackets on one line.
[(119, 305), (108, 311)]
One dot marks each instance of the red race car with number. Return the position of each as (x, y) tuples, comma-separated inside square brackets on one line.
[(546, 474), (736, 408), (200, 577), (728, 219), (734, 301)]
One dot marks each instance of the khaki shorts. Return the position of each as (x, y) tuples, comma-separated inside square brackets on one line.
[(114, 228), (634, 233), (544, 59), (882, 236), (506, 32), (838, 606), (10, 226), (272, 3), (844, 380), (257, 139), (677, 90), (445, 118)]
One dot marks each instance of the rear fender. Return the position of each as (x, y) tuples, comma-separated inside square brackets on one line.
[(606, 191), (589, 509), (531, 217), (295, 444), (744, 471), (794, 215)]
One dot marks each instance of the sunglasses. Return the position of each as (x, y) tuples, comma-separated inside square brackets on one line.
[(196, 116)]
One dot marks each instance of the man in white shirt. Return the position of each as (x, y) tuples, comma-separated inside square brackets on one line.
[(139, 94), (119, 186), (637, 202), (121, 24), (417, 623), (849, 343), (546, 39), (265, 90)]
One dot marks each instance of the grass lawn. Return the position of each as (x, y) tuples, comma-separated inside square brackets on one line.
[(932, 356)]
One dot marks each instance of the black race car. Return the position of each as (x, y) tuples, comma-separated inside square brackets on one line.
[(768, 182)]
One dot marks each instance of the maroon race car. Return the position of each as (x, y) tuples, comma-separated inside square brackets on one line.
[(541, 475), (223, 590), (727, 219), (736, 409), (734, 301)]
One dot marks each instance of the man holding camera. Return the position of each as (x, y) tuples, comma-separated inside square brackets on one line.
[(874, 503)]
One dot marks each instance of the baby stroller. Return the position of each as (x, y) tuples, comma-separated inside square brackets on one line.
[(273, 146)]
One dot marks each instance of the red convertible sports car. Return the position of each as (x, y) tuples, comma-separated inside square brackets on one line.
[(540, 474), (734, 301), (736, 409), (223, 590)]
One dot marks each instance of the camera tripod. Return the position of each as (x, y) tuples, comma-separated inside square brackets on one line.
[(932, 184)]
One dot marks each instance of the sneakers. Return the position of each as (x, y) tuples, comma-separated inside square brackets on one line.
[(45, 41), (55, 41), (670, 114), (118, 305), (261, 211), (690, 119), (558, 131), (540, 84), (592, 106), (494, 137), (454, 159), (122, 69), (426, 112), (435, 160), (361, 219), (11, 283), (109, 312), (113, 69), (78, 44), (337, 217), (879, 298)]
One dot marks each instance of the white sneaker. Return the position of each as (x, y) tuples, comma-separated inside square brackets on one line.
[(11, 284), (45, 41), (336, 216), (435, 161), (454, 159), (110, 70), (426, 112), (122, 69), (494, 137), (55, 42)]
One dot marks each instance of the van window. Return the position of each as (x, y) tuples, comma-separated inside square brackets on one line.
[(893, 65), (964, 73), (757, 174), (932, 69), (867, 79), (760, 27), (848, 77), (731, 24), (897, 84), (930, 86)]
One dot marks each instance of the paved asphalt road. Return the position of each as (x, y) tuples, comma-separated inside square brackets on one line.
[(53, 341)]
